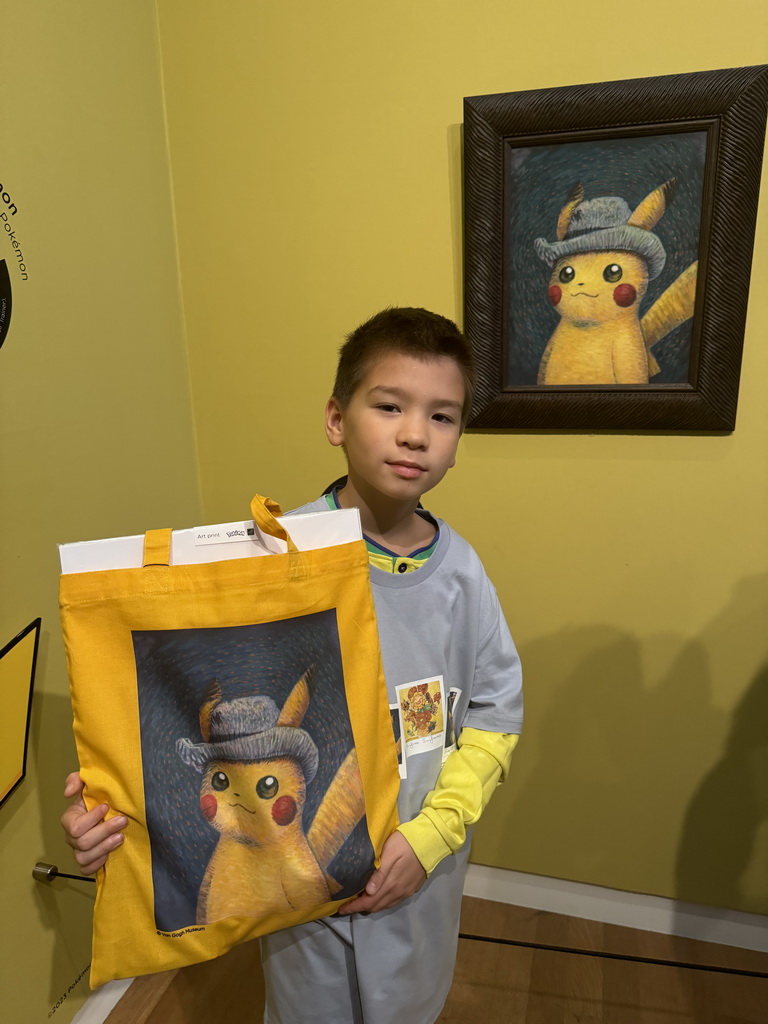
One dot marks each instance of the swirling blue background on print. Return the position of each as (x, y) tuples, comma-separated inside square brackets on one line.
[(174, 669), (538, 179)]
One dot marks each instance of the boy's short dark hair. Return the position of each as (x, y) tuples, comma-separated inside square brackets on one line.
[(414, 332)]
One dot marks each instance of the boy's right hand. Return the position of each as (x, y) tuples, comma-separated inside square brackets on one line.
[(90, 836)]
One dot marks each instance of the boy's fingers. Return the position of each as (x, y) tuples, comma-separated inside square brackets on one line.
[(89, 833), (398, 877), (90, 861), (97, 840), (73, 785), (391, 890), (359, 905), (385, 894), (378, 878), (389, 857), (76, 820), (92, 868), (366, 904), (86, 829)]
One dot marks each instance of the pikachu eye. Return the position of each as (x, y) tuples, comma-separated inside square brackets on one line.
[(267, 787), (613, 273), (567, 274), (219, 781)]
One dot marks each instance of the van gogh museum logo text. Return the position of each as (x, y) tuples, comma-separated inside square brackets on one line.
[(6, 214), (8, 210)]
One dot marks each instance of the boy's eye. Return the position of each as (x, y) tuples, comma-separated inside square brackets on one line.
[(567, 274), (387, 407), (267, 787), (219, 781), (613, 273), (442, 417)]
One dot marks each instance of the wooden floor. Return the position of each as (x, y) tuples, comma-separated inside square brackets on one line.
[(498, 984)]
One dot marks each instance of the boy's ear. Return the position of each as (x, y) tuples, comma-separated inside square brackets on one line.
[(334, 422)]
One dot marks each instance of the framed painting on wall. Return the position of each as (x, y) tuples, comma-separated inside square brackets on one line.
[(608, 244), (18, 661)]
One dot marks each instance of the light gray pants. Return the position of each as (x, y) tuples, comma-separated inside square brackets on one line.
[(393, 967)]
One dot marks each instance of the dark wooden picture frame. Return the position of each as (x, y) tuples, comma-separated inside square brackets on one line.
[(695, 139)]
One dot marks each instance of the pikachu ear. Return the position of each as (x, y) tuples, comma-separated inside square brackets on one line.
[(297, 701), (649, 212), (211, 699), (573, 199)]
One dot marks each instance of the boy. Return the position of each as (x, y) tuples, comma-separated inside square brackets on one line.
[(402, 393)]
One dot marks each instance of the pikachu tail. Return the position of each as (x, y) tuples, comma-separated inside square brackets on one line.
[(670, 310), (341, 809)]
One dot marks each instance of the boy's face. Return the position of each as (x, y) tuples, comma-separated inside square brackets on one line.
[(401, 426)]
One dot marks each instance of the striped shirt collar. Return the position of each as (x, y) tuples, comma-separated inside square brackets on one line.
[(389, 561)]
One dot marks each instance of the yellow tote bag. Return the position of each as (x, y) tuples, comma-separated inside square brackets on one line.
[(236, 712)]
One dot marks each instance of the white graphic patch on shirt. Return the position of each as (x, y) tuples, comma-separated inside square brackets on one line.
[(450, 726), (394, 710), (422, 714)]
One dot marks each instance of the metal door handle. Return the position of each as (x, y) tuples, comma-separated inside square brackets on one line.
[(47, 872)]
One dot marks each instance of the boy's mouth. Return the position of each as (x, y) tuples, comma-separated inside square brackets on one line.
[(407, 470)]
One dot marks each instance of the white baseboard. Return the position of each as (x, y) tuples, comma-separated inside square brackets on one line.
[(612, 906), (102, 1002)]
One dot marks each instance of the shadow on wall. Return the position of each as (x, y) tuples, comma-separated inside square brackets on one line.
[(600, 790), (591, 794), (723, 853)]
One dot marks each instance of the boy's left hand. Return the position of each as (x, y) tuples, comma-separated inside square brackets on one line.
[(399, 876)]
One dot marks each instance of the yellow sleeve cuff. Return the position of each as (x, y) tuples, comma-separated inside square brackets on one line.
[(463, 788)]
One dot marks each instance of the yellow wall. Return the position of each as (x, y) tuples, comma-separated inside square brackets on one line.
[(316, 162), (315, 154), (96, 434)]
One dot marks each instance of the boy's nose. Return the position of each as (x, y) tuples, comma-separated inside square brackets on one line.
[(413, 434)]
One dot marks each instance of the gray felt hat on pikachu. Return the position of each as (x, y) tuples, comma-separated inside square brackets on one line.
[(601, 224), (245, 729)]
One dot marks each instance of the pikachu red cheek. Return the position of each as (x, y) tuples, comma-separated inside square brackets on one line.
[(624, 295), (284, 810), (208, 806), (554, 294)]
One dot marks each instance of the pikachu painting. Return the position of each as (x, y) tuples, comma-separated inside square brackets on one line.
[(255, 762), (602, 261), (252, 782), (600, 276)]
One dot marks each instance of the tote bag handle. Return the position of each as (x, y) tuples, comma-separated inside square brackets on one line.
[(157, 547), (263, 512), (156, 561)]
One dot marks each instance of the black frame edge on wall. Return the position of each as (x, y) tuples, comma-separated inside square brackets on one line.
[(34, 625), (732, 103)]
